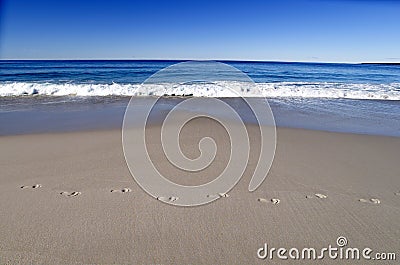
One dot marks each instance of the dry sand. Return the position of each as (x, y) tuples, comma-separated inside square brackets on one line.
[(69, 198)]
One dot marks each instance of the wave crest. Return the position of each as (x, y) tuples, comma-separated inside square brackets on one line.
[(270, 90)]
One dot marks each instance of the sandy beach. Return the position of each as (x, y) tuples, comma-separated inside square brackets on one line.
[(200, 132), (69, 198)]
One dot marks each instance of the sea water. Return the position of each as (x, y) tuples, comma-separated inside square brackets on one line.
[(359, 98)]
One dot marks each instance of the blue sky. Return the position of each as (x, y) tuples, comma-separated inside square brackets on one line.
[(281, 30)]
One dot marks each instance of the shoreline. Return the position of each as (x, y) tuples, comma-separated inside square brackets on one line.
[(114, 129)]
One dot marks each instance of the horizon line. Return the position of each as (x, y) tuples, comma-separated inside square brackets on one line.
[(222, 60)]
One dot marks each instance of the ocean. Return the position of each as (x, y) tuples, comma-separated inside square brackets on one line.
[(357, 98)]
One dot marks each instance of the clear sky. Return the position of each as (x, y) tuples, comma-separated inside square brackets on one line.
[(280, 30)]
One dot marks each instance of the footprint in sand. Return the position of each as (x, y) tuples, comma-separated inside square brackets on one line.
[(262, 200), (273, 200), (318, 195), (375, 201), (371, 201), (124, 190), (168, 199), (71, 194), (31, 187), (221, 195)]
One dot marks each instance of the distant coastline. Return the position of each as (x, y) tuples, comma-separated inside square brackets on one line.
[(381, 63)]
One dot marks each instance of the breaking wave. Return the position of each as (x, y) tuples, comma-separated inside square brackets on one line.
[(389, 91)]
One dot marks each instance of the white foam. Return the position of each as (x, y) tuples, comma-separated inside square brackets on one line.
[(219, 89), (331, 90)]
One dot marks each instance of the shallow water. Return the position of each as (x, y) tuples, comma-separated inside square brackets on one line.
[(22, 115)]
